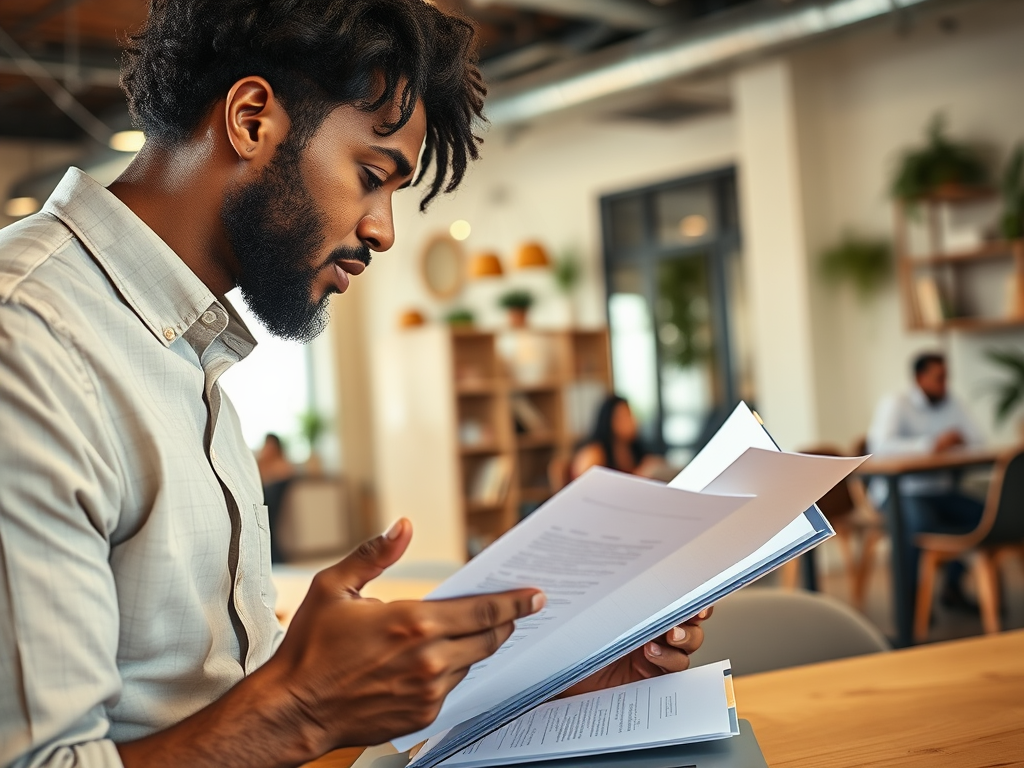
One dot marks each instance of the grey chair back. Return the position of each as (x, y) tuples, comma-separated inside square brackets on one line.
[(1008, 525), (763, 628)]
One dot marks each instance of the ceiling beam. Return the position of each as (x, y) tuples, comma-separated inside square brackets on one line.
[(89, 74), (621, 14), (33, 20)]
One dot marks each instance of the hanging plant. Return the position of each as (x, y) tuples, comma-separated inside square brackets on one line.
[(864, 263), (1010, 391), (940, 167), (1013, 195)]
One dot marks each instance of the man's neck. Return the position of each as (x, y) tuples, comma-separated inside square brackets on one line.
[(178, 192)]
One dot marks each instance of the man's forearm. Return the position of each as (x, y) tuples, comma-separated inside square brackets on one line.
[(256, 724)]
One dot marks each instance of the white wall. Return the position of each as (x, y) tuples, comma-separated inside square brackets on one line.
[(864, 98)]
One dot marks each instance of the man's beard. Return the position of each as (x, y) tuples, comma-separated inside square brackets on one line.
[(275, 231)]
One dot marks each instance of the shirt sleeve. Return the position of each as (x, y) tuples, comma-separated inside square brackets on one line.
[(885, 438), (58, 502)]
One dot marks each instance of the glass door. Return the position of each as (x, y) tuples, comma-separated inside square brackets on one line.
[(674, 278)]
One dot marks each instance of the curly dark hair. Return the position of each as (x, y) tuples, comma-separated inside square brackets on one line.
[(317, 55)]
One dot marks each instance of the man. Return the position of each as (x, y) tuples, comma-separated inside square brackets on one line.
[(136, 610), (927, 419)]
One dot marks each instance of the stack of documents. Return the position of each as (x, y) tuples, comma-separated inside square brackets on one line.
[(681, 708), (622, 560)]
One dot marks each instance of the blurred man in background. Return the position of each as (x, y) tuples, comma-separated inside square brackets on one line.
[(928, 419)]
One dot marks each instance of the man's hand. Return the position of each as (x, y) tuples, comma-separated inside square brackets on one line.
[(351, 671), (364, 672), (948, 440), (669, 653)]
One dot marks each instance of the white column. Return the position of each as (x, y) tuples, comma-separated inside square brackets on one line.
[(775, 251)]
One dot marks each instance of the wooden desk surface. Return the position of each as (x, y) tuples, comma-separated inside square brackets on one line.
[(949, 705), (958, 704), (923, 462)]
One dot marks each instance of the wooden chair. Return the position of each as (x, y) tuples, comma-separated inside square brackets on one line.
[(858, 528), (1001, 530)]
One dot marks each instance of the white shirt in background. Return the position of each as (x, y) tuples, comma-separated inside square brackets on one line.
[(908, 423)]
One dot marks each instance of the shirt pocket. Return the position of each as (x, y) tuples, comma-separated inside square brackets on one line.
[(263, 529)]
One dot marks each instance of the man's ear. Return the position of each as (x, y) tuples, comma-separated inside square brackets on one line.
[(254, 119)]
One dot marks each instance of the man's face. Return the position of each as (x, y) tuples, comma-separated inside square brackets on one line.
[(310, 219), (932, 381)]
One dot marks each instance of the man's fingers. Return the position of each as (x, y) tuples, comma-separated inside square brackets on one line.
[(687, 637), (371, 558), (665, 657), (461, 616), (463, 652), (705, 614)]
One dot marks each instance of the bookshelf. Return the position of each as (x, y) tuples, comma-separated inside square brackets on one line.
[(950, 278), (514, 401)]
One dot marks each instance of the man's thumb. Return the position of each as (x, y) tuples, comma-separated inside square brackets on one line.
[(374, 556)]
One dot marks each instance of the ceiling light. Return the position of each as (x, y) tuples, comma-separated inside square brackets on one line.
[(531, 255), (127, 141), (17, 207), (693, 226), (486, 264), (460, 229)]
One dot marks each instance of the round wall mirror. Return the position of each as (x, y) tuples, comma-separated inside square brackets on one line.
[(442, 266)]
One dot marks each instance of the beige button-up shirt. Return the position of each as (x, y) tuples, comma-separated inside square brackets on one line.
[(134, 551)]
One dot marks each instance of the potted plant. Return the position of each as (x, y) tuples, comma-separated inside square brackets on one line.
[(1013, 195), (460, 317), (566, 271), (311, 426), (863, 262), (942, 168), (1010, 390), (518, 302)]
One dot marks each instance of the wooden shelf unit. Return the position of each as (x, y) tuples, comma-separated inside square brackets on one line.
[(509, 421), (934, 285)]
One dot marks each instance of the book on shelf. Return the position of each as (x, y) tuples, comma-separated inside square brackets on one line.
[(491, 481), (930, 302), (528, 415), (622, 560)]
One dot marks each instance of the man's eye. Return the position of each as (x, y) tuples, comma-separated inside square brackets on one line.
[(372, 180)]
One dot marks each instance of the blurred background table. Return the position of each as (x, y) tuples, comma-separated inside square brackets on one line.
[(893, 469)]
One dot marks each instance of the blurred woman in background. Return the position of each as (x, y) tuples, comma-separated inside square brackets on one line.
[(615, 443)]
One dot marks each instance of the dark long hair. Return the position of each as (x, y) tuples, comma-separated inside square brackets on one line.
[(605, 437), (317, 55)]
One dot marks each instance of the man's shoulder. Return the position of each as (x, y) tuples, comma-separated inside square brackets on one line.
[(25, 247)]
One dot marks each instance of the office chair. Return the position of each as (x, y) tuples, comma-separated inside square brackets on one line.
[(1000, 531), (763, 628)]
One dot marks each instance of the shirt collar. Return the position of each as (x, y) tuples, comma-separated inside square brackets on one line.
[(153, 280)]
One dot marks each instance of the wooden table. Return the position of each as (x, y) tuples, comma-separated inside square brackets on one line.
[(893, 468), (958, 704)]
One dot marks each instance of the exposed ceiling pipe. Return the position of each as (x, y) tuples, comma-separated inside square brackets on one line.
[(644, 62), (622, 14), (58, 94)]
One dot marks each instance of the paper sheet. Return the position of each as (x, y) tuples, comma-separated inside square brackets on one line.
[(689, 550), (673, 709)]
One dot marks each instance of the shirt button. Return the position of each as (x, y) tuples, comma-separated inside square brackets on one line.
[(169, 334), (208, 317)]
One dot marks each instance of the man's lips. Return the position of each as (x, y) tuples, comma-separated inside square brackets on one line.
[(342, 269)]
